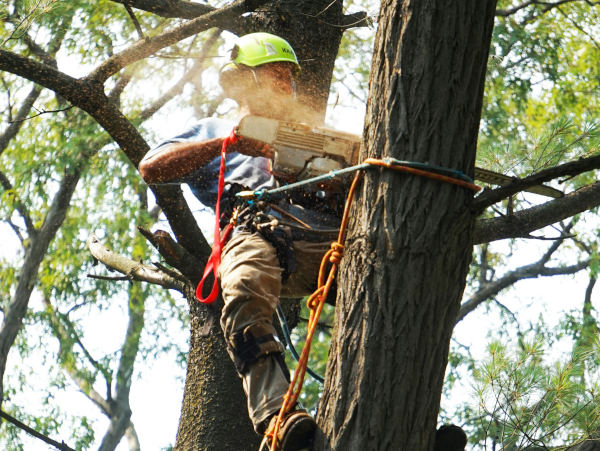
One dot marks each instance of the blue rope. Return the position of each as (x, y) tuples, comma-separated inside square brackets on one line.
[(454, 173), (290, 345)]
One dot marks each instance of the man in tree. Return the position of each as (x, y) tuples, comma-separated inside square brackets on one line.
[(268, 255)]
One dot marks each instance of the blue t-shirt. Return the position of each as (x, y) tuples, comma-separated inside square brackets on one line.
[(250, 172)]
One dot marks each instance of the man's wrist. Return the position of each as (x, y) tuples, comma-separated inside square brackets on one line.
[(253, 148)]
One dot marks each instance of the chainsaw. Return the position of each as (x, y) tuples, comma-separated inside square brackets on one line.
[(302, 151)]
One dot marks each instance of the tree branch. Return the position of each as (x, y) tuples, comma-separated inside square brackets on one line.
[(129, 350), (121, 83), (121, 419), (78, 92), (113, 410), (61, 446), (136, 23), (194, 72), (359, 19), (174, 254), (143, 49), (15, 125), (135, 270), (169, 8), (132, 438), (547, 6), (531, 271), (66, 329), (580, 28), (20, 207), (571, 169), (13, 319), (90, 97), (521, 223), (63, 336), (514, 9)]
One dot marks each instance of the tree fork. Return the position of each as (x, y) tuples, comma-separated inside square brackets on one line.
[(409, 243)]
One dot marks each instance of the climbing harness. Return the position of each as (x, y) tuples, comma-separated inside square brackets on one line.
[(219, 239)]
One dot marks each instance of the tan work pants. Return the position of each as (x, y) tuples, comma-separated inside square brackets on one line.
[(251, 286)]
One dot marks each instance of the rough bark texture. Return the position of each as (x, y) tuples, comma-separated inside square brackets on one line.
[(409, 244), (214, 414)]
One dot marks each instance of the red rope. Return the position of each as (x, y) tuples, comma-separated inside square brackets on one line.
[(219, 239)]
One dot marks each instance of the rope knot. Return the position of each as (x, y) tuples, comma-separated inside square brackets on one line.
[(313, 302), (337, 252)]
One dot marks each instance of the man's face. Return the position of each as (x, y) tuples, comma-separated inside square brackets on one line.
[(277, 77), (273, 90)]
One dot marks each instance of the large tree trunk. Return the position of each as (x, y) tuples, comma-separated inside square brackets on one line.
[(213, 414), (409, 244)]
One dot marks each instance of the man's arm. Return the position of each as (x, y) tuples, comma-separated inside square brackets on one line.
[(178, 159)]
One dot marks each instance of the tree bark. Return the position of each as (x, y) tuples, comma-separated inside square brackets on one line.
[(214, 415), (409, 243)]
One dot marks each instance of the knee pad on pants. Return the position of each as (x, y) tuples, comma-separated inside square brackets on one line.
[(252, 343)]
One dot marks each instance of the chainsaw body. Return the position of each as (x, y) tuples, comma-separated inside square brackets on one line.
[(301, 151)]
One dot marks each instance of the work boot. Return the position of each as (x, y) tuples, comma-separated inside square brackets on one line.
[(296, 432)]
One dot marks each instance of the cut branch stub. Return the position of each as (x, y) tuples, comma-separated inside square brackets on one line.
[(135, 270), (174, 254)]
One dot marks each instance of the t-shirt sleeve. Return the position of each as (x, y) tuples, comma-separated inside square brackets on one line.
[(208, 128), (194, 133)]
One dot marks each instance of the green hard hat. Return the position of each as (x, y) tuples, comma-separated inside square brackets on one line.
[(255, 49)]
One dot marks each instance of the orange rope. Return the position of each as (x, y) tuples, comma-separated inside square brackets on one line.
[(422, 173), (315, 304)]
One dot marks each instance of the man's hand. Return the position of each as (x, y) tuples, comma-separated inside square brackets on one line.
[(252, 148)]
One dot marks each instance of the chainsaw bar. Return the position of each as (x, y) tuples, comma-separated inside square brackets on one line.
[(495, 178)]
